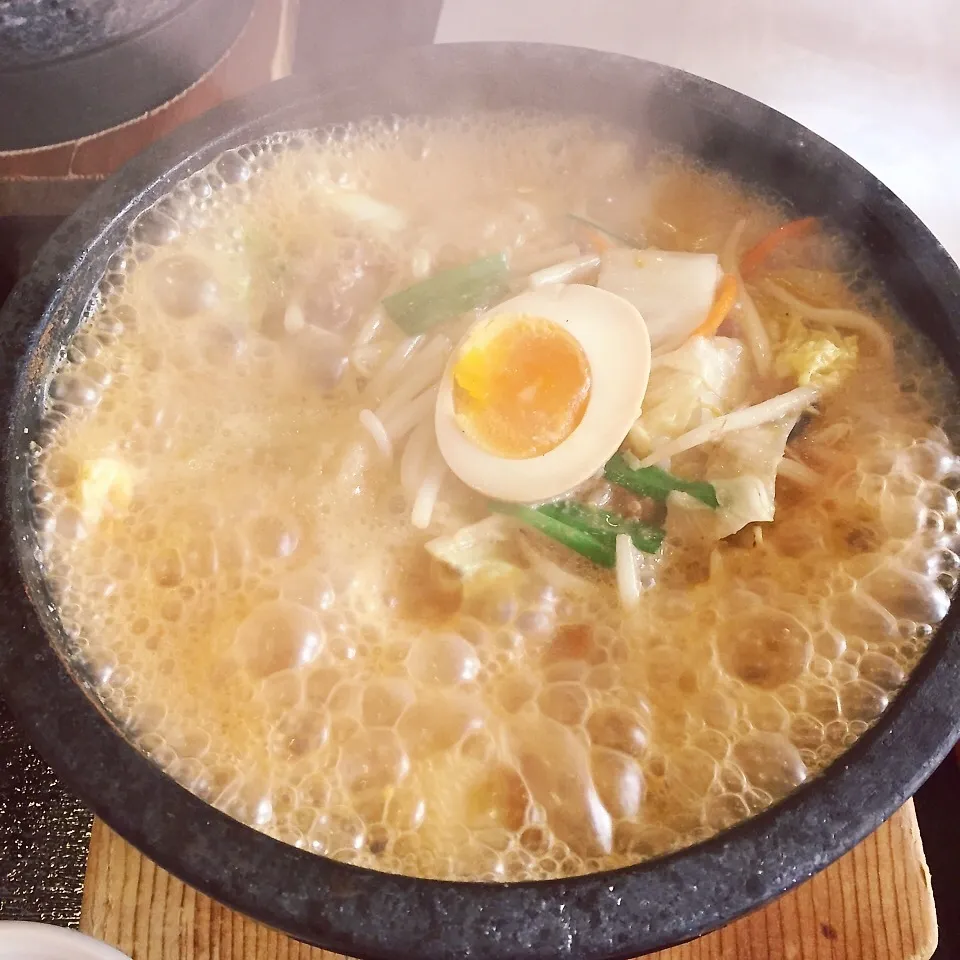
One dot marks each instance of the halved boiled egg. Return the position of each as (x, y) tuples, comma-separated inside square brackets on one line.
[(541, 392)]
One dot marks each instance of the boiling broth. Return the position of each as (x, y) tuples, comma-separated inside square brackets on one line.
[(234, 561)]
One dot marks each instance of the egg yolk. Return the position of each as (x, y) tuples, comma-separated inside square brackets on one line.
[(521, 386)]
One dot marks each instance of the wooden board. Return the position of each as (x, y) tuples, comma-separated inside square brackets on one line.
[(875, 903)]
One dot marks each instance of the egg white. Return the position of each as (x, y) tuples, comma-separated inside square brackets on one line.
[(615, 341)]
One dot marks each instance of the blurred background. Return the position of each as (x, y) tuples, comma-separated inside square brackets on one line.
[(86, 84)]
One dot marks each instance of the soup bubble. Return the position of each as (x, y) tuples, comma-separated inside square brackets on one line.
[(618, 780), (766, 648), (690, 772), (575, 641), (498, 798), (725, 810), (862, 700), (618, 729), (907, 596), (300, 732), (184, 286), (444, 659), (278, 635), (274, 536), (282, 691), (881, 670), (167, 568), (555, 768), (69, 525), (232, 168), (567, 703), (435, 724), (384, 701), (857, 614), (62, 470), (771, 763), (372, 760), (806, 733), (156, 228), (76, 390), (406, 809), (320, 684), (310, 588)]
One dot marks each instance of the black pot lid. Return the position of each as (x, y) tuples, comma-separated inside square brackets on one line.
[(35, 32), (378, 916), (73, 68)]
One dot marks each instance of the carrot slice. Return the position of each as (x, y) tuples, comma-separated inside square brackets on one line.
[(598, 240), (758, 253), (723, 301)]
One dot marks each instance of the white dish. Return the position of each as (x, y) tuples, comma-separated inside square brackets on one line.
[(40, 941)]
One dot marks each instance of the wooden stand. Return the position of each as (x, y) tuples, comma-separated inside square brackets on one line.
[(875, 903)]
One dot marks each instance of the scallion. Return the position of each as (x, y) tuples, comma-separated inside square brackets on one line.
[(597, 547), (448, 294), (656, 483), (645, 536)]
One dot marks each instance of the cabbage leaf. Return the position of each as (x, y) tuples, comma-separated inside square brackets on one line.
[(821, 357), (743, 470), (478, 552), (704, 378)]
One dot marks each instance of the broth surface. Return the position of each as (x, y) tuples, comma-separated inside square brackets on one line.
[(233, 557)]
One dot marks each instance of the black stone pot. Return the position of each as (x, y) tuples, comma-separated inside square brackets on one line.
[(372, 915), (71, 69)]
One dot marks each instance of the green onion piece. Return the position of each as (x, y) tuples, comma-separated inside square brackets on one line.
[(600, 548), (656, 483), (448, 294), (645, 536), (624, 241)]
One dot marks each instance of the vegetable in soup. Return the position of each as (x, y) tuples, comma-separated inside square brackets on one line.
[(492, 499)]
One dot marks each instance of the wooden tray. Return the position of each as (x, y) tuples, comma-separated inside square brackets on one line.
[(875, 903)]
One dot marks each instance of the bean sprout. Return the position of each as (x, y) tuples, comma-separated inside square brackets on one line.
[(751, 326), (374, 427), (798, 473), (386, 376), (628, 583), (402, 421), (426, 498), (423, 371), (414, 456), (759, 413)]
